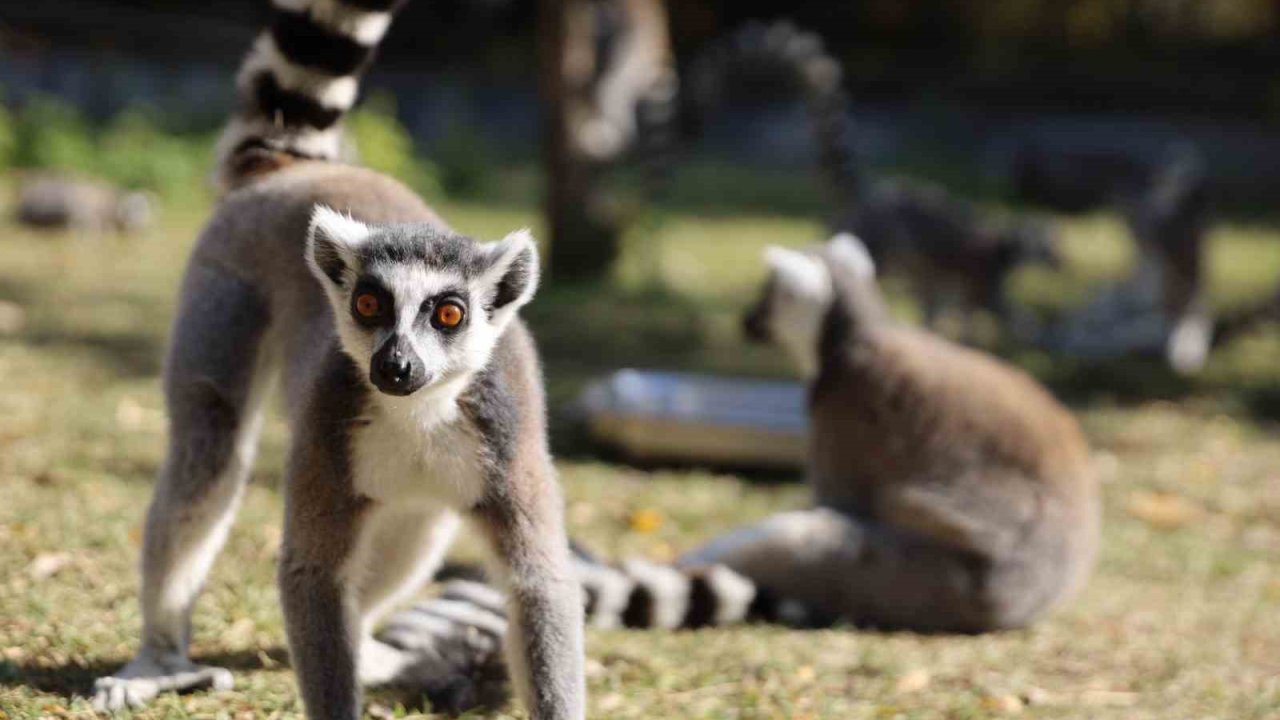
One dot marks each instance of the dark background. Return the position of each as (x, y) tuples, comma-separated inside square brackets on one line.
[(961, 83)]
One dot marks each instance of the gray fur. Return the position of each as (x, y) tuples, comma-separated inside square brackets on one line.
[(402, 425), (951, 492), (249, 307)]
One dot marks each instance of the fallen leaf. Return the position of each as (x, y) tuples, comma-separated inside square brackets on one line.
[(47, 565), (1007, 704), (646, 520), (1164, 511), (913, 681)]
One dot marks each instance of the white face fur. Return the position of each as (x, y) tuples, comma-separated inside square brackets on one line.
[(799, 294), (418, 309)]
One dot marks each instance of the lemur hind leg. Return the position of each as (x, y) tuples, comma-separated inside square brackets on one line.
[(825, 563), (404, 550), (218, 373)]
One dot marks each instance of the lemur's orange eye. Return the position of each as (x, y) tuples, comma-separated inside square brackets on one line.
[(448, 314), (367, 305)]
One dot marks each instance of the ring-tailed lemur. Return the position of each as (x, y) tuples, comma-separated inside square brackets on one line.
[(1162, 307), (947, 247), (414, 395), (951, 491)]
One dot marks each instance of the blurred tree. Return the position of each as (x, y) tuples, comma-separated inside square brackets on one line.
[(599, 61)]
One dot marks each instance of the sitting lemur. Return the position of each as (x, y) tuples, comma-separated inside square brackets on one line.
[(951, 492)]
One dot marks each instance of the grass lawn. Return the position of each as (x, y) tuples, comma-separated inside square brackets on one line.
[(1181, 620)]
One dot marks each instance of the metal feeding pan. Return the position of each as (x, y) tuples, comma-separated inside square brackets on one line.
[(657, 417)]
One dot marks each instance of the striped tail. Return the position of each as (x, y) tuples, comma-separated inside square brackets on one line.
[(298, 81), (636, 594), (761, 49)]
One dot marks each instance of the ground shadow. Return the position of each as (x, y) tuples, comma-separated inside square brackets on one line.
[(76, 679), (127, 353), (484, 688)]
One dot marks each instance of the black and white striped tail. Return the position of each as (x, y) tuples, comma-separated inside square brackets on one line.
[(814, 72), (301, 77), (635, 594)]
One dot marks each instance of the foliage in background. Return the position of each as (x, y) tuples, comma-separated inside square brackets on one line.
[(463, 158), (51, 133), (8, 140), (135, 149), (132, 149), (384, 144)]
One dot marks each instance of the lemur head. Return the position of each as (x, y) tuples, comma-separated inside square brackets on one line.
[(416, 306), (799, 293)]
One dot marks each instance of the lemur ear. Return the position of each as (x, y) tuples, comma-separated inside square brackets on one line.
[(798, 272), (332, 239), (852, 254), (513, 270)]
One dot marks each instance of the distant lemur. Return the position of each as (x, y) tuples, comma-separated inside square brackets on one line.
[(413, 392), (951, 492), (54, 200), (1162, 307), (949, 248)]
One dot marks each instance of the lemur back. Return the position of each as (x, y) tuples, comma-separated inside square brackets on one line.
[(413, 394)]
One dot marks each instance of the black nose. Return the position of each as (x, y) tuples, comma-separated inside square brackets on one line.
[(395, 369)]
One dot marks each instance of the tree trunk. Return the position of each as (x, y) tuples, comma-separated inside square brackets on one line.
[(599, 60), (584, 237)]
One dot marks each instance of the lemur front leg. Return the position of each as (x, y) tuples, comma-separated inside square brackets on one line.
[(319, 590), (524, 524)]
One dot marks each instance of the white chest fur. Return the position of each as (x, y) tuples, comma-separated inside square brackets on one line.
[(415, 453)]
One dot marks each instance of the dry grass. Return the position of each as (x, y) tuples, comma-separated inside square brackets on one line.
[(1182, 619)]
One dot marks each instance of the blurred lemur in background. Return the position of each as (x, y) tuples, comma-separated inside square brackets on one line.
[(1161, 308), (57, 201), (951, 492), (413, 391), (950, 249)]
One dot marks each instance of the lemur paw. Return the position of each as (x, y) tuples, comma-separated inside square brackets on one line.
[(148, 675)]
